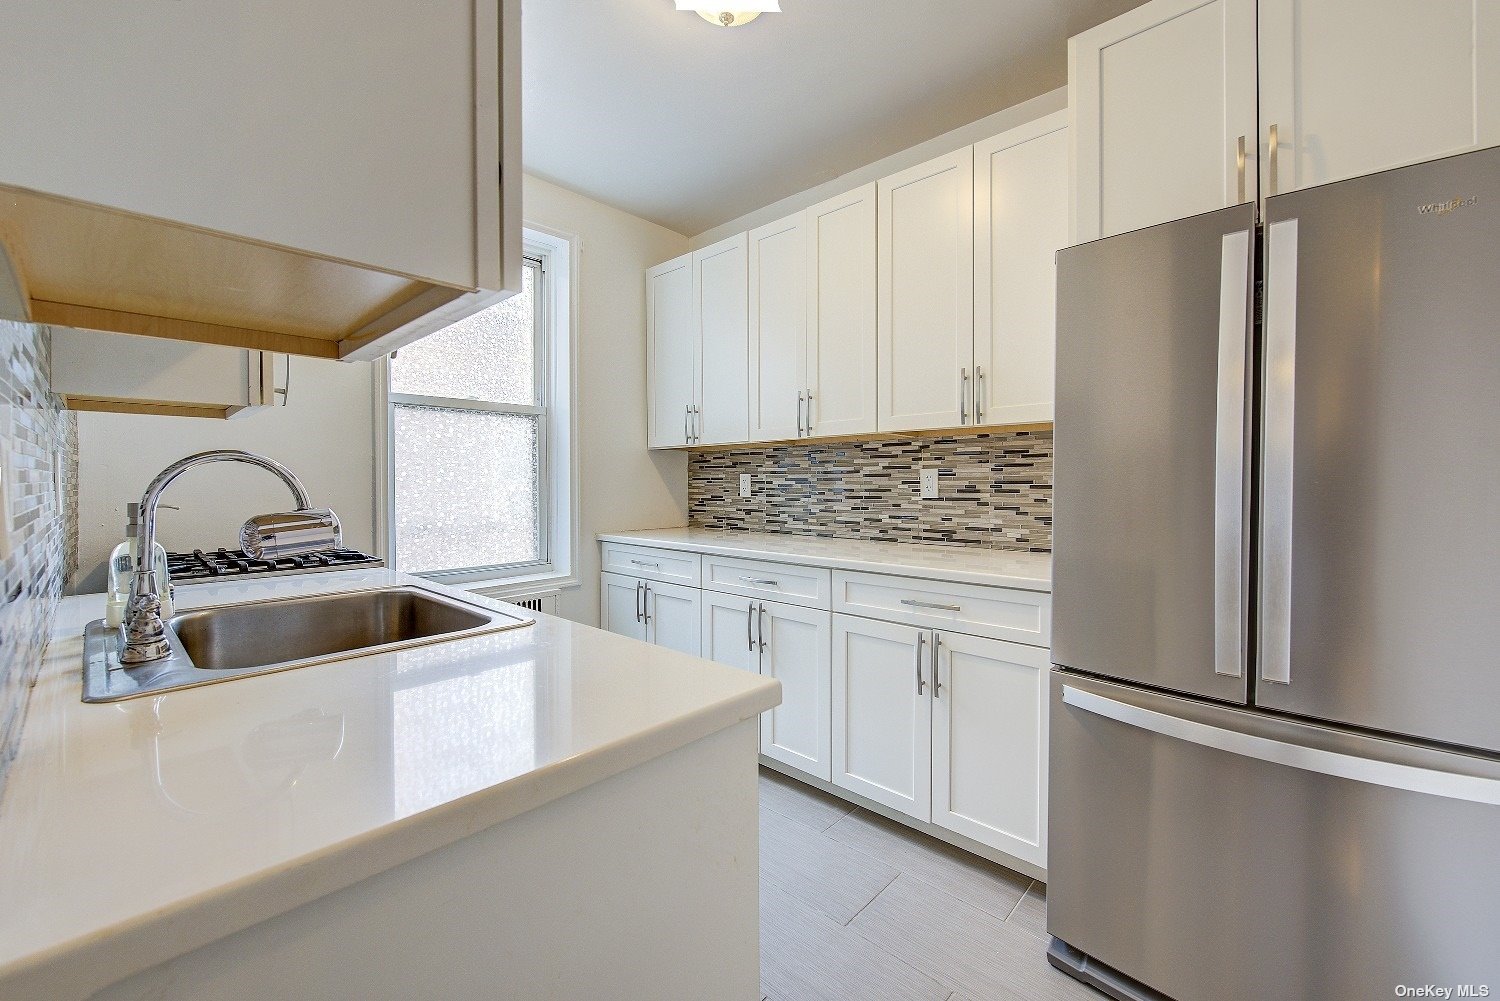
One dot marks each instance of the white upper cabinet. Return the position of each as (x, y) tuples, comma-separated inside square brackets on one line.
[(1020, 223), (671, 352), (1357, 86), (925, 301), (1163, 101), (314, 178), (721, 295), (779, 257), (841, 355)]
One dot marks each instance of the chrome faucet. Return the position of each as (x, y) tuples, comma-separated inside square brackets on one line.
[(267, 536)]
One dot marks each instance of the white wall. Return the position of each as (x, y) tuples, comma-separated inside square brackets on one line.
[(623, 485), (326, 432), (968, 135)]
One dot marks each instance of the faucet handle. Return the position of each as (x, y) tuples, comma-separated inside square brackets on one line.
[(291, 533)]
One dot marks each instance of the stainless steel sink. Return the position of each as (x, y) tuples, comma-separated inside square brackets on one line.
[(279, 634)]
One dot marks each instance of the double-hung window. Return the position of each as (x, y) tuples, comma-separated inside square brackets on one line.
[(478, 477)]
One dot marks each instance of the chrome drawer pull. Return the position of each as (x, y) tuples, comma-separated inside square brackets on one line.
[(757, 580), (931, 604), (643, 563)]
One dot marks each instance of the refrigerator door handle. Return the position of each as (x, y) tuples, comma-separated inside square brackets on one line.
[(1235, 269), (1278, 436), (1390, 774)]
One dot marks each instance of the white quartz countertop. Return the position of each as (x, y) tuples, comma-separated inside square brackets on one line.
[(967, 564), (133, 832)]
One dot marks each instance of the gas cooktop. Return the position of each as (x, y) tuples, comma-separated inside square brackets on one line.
[(199, 566)]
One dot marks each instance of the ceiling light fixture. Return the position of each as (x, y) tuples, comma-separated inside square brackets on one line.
[(744, 11)]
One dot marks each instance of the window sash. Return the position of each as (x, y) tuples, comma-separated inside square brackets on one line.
[(542, 412)]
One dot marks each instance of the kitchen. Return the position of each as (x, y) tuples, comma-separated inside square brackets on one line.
[(648, 588)]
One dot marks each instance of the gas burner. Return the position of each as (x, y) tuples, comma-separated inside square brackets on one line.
[(199, 566)]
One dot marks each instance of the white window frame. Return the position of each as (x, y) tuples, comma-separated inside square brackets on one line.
[(556, 310)]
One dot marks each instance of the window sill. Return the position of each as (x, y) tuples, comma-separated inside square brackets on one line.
[(507, 587)]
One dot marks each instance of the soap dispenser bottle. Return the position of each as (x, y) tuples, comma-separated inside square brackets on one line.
[(122, 572)]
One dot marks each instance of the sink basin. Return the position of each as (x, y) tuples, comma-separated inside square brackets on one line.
[(235, 637), (279, 634)]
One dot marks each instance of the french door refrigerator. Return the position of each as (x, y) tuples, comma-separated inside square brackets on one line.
[(1275, 729)]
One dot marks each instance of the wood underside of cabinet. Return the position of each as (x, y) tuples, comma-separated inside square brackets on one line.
[(97, 268), (965, 431)]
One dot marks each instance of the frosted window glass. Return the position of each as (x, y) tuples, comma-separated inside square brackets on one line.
[(468, 489), (490, 356)]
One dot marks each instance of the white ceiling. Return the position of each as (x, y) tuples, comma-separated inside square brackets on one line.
[(673, 119)]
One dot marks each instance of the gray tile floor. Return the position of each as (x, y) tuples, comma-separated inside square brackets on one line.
[(855, 907)]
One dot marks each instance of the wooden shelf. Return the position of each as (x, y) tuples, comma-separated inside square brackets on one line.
[(97, 268)]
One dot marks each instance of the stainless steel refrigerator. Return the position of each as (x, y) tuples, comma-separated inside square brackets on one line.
[(1275, 712)]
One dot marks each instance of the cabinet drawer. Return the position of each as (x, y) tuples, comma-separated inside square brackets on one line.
[(773, 581), (667, 565), (1002, 613)]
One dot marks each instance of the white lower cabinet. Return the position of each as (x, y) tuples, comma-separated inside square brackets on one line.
[(620, 605), (882, 723), (948, 728), (794, 648), (673, 619), (791, 644), (989, 740), (648, 610)]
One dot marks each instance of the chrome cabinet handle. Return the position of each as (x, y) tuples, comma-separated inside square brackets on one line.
[(1274, 142), (1239, 159), (758, 580), (978, 394), (750, 628), (643, 563), (697, 425), (921, 685), (646, 605), (760, 627), (937, 682), (931, 604), (1235, 271), (687, 416), (1356, 768), (809, 413), (963, 396), (639, 611), (801, 399)]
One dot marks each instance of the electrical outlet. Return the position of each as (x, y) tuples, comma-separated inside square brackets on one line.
[(744, 484), (929, 484)]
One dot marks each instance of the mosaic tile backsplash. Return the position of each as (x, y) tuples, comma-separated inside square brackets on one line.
[(41, 441), (996, 490)]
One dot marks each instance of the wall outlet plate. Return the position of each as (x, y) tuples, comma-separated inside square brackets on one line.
[(744, 484), (929, 484)]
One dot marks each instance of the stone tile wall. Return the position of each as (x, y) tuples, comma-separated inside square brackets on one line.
[(996, 489), (38, 448)]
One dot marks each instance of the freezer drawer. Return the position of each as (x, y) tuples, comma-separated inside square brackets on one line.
[(1219, 854)]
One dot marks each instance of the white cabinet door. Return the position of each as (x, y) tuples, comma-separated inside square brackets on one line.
[(621, 605), (1356, 86), (989, 740), (721, 290), (882, 720), (1020, 223), (794, 649), (925, 282), (671, 351), (673, 617), (841, 354), (728, 637), (279, 121), (1161, 98), (778, 328)]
